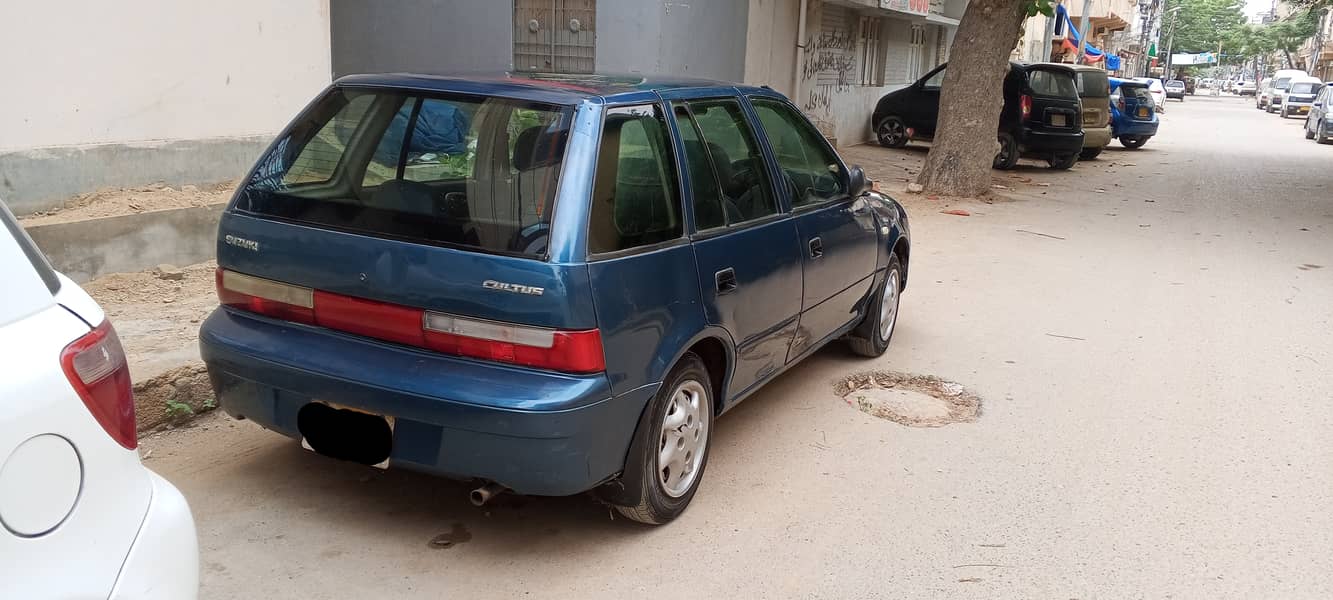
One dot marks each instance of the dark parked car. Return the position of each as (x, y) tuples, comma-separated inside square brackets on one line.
[(551, 285), (1041, 118), (1133, 114), (1317, 122)]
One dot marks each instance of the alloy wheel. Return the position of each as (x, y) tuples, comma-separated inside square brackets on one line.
[(684, 438)]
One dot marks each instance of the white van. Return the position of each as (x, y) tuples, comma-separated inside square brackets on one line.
[(1300, 96), (1275, 89)]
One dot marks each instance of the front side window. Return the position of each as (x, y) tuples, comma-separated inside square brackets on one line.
[(1092, 84), (470, 171), (935, 81), (635, 201), (811, 168), (1281, 83)]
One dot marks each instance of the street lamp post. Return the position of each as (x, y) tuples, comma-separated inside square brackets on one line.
[(1170, 38)]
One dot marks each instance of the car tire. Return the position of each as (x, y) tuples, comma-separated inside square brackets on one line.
[(1091, 153), (1007, 157), (1321, 133), (1062, 162), (891, 132), (1309, 135), (680, 414), (1133, 142), (871, 337)]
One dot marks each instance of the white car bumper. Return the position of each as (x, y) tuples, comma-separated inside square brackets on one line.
[(163, 563)]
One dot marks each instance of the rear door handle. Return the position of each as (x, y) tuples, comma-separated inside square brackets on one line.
[(725, 280), (816, 248)]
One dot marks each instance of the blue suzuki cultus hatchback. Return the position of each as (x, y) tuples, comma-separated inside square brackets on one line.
[(544, 284)]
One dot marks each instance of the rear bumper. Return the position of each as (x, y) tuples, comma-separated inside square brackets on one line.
[(1043, 142), (1096, 137), (534, 432), (163, 563), (1136, 129)]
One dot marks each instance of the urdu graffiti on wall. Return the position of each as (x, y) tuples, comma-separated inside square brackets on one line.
[(830, 61)]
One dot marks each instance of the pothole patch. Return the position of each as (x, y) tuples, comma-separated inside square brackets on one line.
[(911, 400)]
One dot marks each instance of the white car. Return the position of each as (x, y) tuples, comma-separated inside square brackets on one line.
[(81, 516), (1156, 90)]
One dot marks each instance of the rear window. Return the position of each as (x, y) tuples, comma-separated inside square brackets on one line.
[(1175, 84), (468, 171), (1092, 84), (1305, 88), (1142, 94), (1051, 83)]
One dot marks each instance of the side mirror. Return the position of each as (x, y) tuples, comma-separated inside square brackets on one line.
[(857, 184), (1320, 104)]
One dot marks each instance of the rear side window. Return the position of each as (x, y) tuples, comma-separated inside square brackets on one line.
[(634, 200), (1092, 84), (1052, 84), (467, 171)]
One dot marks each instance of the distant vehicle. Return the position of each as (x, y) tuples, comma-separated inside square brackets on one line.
[(82, 517), (1157, 90), (1190, 85), (1208, 83), (1041, 115), (1270, 96), (1300, 96), (1133, 118), (1175, 89), (1246, 88), (565, 307), (1319, 123)]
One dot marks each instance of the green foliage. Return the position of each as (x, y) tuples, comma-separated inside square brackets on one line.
[(177, 409), (1033, 8), (1201, 25), (1285, 36)]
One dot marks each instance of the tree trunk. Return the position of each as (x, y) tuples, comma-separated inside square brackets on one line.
[(959, 163), (1290, 65)]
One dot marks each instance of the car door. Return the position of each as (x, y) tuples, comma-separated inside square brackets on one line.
[(747, 258), (925, 104), (836, 231), (1317, 109)]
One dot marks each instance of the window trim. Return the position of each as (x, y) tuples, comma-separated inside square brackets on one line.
[(756, 133), (842, 164), (684, 237)]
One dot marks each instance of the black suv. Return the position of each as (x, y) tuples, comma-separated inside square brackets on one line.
[(1042, 116)]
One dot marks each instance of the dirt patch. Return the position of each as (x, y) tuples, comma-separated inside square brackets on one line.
[(157, 315), (173, 397), (911, 400), (128, 201)]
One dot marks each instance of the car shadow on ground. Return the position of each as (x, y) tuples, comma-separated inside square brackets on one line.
[(303, 498)]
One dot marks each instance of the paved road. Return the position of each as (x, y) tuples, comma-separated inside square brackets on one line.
[(1179, 448)]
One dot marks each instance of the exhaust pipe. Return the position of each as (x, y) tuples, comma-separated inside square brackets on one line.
[(485, 493)]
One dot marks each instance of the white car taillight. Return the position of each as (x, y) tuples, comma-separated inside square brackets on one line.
[(96, 367)]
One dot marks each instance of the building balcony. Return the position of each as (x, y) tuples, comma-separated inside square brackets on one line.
[(1103, 15)]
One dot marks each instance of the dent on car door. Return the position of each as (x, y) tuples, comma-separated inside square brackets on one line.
[(747, 259), (836, 231)]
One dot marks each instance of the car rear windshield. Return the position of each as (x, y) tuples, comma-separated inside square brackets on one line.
[(1305, 88), (468, 171), (1175, 84), (1052, 84), (1092, 84)]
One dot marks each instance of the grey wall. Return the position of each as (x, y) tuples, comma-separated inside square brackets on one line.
[(90, 248), (42, 179), (693, 39), (423, 36)]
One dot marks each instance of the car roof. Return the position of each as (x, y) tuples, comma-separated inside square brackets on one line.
[(1066, 66), (554, 88)]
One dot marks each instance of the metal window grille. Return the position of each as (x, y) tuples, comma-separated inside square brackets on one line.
[(872, 56), (555, 36)]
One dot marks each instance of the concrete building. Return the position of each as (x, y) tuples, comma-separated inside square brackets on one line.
[(125, 93), (835, 59), (1108, 21), (139, 91)]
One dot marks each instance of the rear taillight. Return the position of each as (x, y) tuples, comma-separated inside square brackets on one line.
[(1026, 104), (96, 367), (266, 297), (557, 350)]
